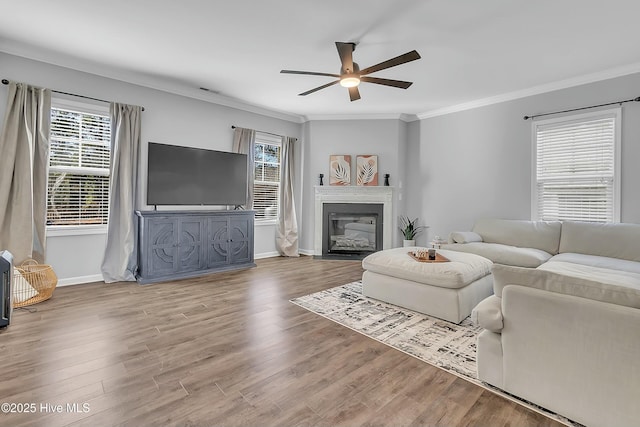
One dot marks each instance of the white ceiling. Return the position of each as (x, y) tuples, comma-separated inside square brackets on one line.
[(472, 50)]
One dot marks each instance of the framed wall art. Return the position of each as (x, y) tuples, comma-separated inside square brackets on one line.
[(367, 170), (340, 166)]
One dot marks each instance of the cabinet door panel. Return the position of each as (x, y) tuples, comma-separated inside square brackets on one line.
[(162, 245), (240, 250), (218, 242), (191, 244)]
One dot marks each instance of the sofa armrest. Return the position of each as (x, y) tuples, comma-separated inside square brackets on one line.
[(464, 237), (572, 355), (621, 289), (488, 314)]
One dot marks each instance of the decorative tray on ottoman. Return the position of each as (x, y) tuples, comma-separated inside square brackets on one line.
[(439, 258)]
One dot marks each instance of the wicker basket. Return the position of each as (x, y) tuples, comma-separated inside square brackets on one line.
[(32, 283)]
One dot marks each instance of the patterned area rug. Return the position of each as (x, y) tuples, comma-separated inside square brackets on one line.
[(440, 343)]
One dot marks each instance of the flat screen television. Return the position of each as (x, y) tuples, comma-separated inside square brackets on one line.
[(195, 176)]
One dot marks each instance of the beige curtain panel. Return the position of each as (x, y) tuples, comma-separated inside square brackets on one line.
[(244, 143), (120, 255), (287, 229), (24, 166)]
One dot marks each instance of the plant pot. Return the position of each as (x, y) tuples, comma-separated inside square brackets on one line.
[(406, 243)]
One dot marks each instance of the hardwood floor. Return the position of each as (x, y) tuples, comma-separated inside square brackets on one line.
[(226, 349)]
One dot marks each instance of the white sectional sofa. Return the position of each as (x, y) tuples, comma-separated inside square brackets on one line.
[(563, 334), (509, 242)]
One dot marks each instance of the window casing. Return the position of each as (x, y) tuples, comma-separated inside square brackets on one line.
[(576, 167), (266, 186), (79, 157)]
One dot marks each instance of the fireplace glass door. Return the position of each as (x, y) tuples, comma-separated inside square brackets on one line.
[(352, 228), (350, 233)]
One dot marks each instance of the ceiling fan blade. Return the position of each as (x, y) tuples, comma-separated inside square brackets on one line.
[(318, 88), (407, 57), (387, 82), (311, 73), (354, 93), (345, 50)]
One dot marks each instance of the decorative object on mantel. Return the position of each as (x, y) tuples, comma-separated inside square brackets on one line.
[(340, 170), (367, 170), (409, 230), (386, 179), (321, 177)]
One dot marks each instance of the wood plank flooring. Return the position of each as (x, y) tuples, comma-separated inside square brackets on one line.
[(225, 350)]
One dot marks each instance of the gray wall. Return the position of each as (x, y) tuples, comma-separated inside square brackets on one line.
[(447, 170), (413, 186), (167, 118), (477, 163)]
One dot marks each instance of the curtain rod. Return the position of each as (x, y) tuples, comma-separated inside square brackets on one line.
[(261, 131), (6, 82), (583, 108)]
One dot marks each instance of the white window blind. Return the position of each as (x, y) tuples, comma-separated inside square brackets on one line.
[(576, 168), (266, 187), (78, 187)]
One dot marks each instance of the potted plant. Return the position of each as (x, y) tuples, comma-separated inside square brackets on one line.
[(409, 230)]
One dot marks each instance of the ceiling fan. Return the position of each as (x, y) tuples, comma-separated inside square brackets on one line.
[(351, 75)]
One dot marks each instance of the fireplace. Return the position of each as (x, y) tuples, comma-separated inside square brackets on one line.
[(351, 230), (359, 212)]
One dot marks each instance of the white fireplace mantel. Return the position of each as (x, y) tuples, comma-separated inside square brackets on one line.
[(354, 194)]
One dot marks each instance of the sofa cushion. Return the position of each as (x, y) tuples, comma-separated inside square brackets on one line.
[(598, 261), (609, 240), (600, 284), (543, 235), (488, 314), (590, 272), (464, 237), (461, 271), (503, 254)]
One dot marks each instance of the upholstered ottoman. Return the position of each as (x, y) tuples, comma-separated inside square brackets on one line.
[(448, 290)]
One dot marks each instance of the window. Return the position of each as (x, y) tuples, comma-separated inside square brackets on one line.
[(266, 186), (576, 170), (78, 186)]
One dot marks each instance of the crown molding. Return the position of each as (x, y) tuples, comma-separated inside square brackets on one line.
[(232, 103), (176, 88), (374, 116), (535, 90), (408, 118), (143, 80)]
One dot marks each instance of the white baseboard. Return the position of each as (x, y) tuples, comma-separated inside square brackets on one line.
[(276, 253), (80, 280), (98, 277), (266, 255)]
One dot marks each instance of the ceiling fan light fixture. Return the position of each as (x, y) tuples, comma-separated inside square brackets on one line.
[(350, 80), (351, 75)]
